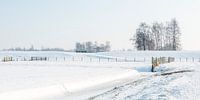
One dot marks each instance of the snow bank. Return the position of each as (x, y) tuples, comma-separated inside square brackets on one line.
[(178, 86), (53, 80)]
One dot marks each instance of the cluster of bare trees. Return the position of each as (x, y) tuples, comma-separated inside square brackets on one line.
[(89, 47), (158, 36)]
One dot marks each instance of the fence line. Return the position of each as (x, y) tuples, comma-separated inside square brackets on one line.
[(93, 59), (82, 59), (156, 61)]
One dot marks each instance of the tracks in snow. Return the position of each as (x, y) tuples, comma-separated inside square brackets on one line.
[(145, 87)]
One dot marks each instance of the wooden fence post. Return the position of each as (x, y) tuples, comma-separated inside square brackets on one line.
[(157, 61), (168, 60), (152, 67), (160, 60)]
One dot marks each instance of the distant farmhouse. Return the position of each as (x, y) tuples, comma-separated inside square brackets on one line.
[(89, 47)]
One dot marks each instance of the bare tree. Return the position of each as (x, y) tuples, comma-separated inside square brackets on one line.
[(159, 36), (175, 30), (157, 30), (143, 36)]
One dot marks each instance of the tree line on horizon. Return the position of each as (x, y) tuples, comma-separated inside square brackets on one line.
[(90, 47), (33, 49), (158, 36)]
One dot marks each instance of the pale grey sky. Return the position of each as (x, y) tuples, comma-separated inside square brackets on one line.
[(61, 23)]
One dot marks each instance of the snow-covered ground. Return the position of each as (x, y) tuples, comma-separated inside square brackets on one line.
[(179, 81), (63, 79), (45, 80), (139, 56)]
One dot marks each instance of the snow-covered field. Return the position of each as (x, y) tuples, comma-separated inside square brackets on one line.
[(139, 56), (63, 79)]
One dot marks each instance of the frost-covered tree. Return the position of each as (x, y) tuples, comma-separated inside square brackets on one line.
[(107, 46), (91, 47), (175, 32), (159, 36), (168, 37), (143, 37)]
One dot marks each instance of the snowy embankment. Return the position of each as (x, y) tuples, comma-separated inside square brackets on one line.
[(67, 76), (172, 81), (43, 80)]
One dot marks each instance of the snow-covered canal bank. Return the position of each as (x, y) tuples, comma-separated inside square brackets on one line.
[(60, 80), (174, 81)]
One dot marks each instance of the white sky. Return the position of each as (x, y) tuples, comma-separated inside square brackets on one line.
[(61, 23)]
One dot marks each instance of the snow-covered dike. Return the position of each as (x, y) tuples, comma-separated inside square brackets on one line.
[(172, 81), (43, 80)]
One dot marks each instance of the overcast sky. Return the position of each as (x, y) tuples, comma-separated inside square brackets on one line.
[(61, 23)]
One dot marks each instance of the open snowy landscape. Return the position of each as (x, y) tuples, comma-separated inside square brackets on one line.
[(99, 50), (97, 76)]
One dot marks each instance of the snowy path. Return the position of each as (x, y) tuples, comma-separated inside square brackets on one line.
[(180, 85)]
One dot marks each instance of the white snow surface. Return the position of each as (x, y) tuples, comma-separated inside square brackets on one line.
[(58, 80), (63, 79), (176, 86)]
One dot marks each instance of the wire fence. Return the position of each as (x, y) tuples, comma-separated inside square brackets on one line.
[(78, 59), (93, 59)]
